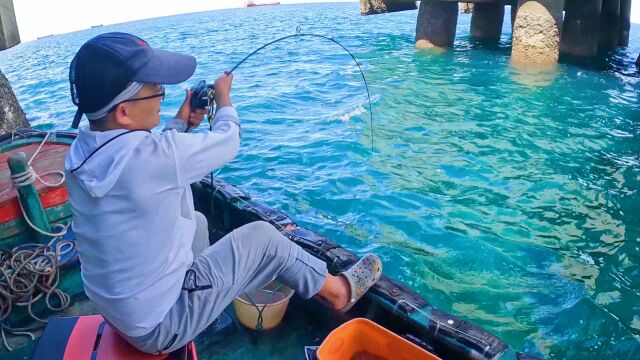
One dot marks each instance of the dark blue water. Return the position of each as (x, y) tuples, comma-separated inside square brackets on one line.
[(509, 204)]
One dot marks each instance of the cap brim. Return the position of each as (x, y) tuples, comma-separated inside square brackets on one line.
[(166, 67)]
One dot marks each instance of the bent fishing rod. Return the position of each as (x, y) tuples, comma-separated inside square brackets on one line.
[(203, 94)]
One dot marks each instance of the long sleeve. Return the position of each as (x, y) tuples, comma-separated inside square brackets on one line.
[(176, 124), (197, 154)]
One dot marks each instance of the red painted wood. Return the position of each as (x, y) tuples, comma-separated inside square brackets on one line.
[(50, 158)]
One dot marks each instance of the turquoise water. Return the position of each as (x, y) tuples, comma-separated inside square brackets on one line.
[(513, 206)]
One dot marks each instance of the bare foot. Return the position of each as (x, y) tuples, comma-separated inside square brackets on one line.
[(336, 290)]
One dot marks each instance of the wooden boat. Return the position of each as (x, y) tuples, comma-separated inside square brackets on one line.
[(24, 301), (390, 303)]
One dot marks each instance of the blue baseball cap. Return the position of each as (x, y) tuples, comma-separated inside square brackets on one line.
[(105, 65)]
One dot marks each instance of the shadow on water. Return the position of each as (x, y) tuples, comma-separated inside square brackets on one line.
[(619, 61)]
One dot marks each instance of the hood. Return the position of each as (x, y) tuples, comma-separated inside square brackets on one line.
[(105, 155)]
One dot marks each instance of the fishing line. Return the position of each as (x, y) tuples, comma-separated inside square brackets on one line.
[(298, 34)]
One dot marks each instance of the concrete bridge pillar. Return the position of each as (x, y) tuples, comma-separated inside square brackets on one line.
[(436, 26), (609, 25), (625, 22), (11, 115), (9, 35), (514, 12), (580, 31), (536, 33), (486, 21), (370, 7)]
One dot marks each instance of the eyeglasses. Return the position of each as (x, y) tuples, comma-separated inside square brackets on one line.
[(158, 95), (161, 94)]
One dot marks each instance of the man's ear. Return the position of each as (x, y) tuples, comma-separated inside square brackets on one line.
[(121, 115)]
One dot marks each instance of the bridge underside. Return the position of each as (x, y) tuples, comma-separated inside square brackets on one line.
[(371, 7)]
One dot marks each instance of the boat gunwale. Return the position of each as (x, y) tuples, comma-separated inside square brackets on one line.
[(395, 297)]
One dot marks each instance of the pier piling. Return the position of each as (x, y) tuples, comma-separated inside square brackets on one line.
[(580, 31), (625, 22), (514, 12), (609, 25), (436, 25), (9, 35), (536, 33), (486, 21), (541, 29)]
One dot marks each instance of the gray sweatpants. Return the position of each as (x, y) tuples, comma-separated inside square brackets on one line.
[(248, 258)]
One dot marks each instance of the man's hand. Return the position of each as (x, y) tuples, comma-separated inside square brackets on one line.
[(222, 87), (192, 118)]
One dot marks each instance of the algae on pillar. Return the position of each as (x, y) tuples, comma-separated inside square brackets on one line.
[(436, 26), (580, 31), (486, 21), (536, 33), (370, 7), (11, 115)]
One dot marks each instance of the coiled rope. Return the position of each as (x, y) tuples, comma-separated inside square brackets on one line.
[(31, 272)]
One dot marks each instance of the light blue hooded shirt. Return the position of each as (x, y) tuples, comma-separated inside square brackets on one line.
[(133, 213)]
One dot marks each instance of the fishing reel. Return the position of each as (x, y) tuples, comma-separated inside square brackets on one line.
[(202, 96)]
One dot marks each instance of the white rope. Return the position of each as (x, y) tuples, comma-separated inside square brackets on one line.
[(38, 269), (28, 177), (55, 235)]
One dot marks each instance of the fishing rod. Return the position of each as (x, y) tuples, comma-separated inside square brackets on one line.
[(203, 94)]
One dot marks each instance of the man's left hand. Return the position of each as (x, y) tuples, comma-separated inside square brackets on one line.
[(192, 118)]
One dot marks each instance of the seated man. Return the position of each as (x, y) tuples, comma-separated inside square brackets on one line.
[(133, 211)]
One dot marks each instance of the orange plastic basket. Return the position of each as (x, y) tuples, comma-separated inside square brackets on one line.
[(360, 335)]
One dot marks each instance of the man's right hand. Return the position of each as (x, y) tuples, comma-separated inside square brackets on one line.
[(222, 87)]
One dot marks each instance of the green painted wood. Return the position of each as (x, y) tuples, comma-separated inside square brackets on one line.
[(17, 226), (14, 233), (29, 197)]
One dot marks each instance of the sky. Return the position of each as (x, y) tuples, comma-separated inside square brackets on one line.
[(38, 18)]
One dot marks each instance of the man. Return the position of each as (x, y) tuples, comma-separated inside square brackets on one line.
[(133, 210)]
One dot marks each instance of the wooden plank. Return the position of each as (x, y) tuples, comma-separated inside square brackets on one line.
[(16, 231), (50, 158)]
